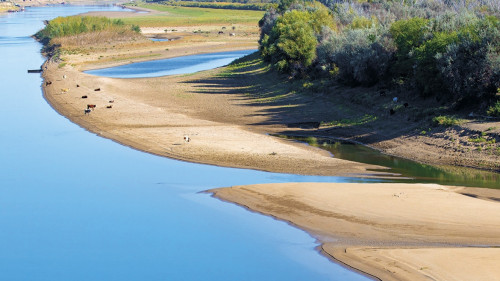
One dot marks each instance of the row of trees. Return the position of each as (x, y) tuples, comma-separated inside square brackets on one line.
[(445, 48), (233, 5), (214, 1)]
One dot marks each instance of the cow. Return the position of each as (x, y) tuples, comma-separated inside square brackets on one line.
[(221, 32), (87, 111), (64, 76), (97, 90), (78, 86), (111, 101), (47, 83), (109, 106), (186, 138), (84, 97), (91, 106)]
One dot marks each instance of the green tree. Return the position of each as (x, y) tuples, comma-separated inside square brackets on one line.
[(427, 75), (292, 43), (408, 35)]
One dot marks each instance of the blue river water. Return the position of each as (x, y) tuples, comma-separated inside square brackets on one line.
[(75, 206), (178, 65)]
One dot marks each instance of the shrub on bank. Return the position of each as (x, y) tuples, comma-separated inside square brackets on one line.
[(449, 50), (362, 56), (494, 110), (289, 40), (68, 26), (446, 120)]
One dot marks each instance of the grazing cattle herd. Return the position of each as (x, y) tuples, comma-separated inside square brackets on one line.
[(187, 139), (90, 107)]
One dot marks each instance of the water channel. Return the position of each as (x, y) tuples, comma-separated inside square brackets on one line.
[(411, 170), (171, 66), (74, 206)]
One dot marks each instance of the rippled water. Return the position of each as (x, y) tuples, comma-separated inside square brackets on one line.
[(74, 206)]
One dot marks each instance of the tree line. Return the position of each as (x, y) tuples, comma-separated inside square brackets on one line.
[(442, 48), (232, 5)]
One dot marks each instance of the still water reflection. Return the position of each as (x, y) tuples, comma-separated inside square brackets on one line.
[(416, 171), (178, 65), (74, 206)]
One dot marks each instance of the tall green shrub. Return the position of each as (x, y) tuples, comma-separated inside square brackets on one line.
[(408, 35), (295, 44), (67, 26), (360, 56), (427, 76), (470, 66)]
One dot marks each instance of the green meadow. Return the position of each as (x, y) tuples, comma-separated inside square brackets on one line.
[(186, 16)]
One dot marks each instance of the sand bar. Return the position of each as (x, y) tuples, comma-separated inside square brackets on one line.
[(154, 115), (391, 231)]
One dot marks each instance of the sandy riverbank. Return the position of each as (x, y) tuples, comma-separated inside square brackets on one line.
[(154, 114), (391, 231)]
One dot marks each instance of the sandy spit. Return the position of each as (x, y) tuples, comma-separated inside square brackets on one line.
[(154, 115), (390, 231)]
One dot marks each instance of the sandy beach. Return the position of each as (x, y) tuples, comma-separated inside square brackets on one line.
[(154, 115), (390, 231)]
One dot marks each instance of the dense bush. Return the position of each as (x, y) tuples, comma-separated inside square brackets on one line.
[(494, 110), (470, 67), (67, 26), (291, 42), (360, 56), (408, 35), (448, 49)]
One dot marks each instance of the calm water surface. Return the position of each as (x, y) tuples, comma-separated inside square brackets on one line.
[(418, 172), (179, 65), (74, 206)]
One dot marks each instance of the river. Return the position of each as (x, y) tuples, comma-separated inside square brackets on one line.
[(75, 206)]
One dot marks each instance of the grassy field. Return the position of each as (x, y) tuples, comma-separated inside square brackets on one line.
[(187, 16)]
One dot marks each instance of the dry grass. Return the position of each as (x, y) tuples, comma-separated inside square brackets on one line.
[(110, 36)]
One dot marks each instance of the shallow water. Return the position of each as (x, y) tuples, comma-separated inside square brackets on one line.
[(416, 171), (74, 206), (158, 39), (171, 66)]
